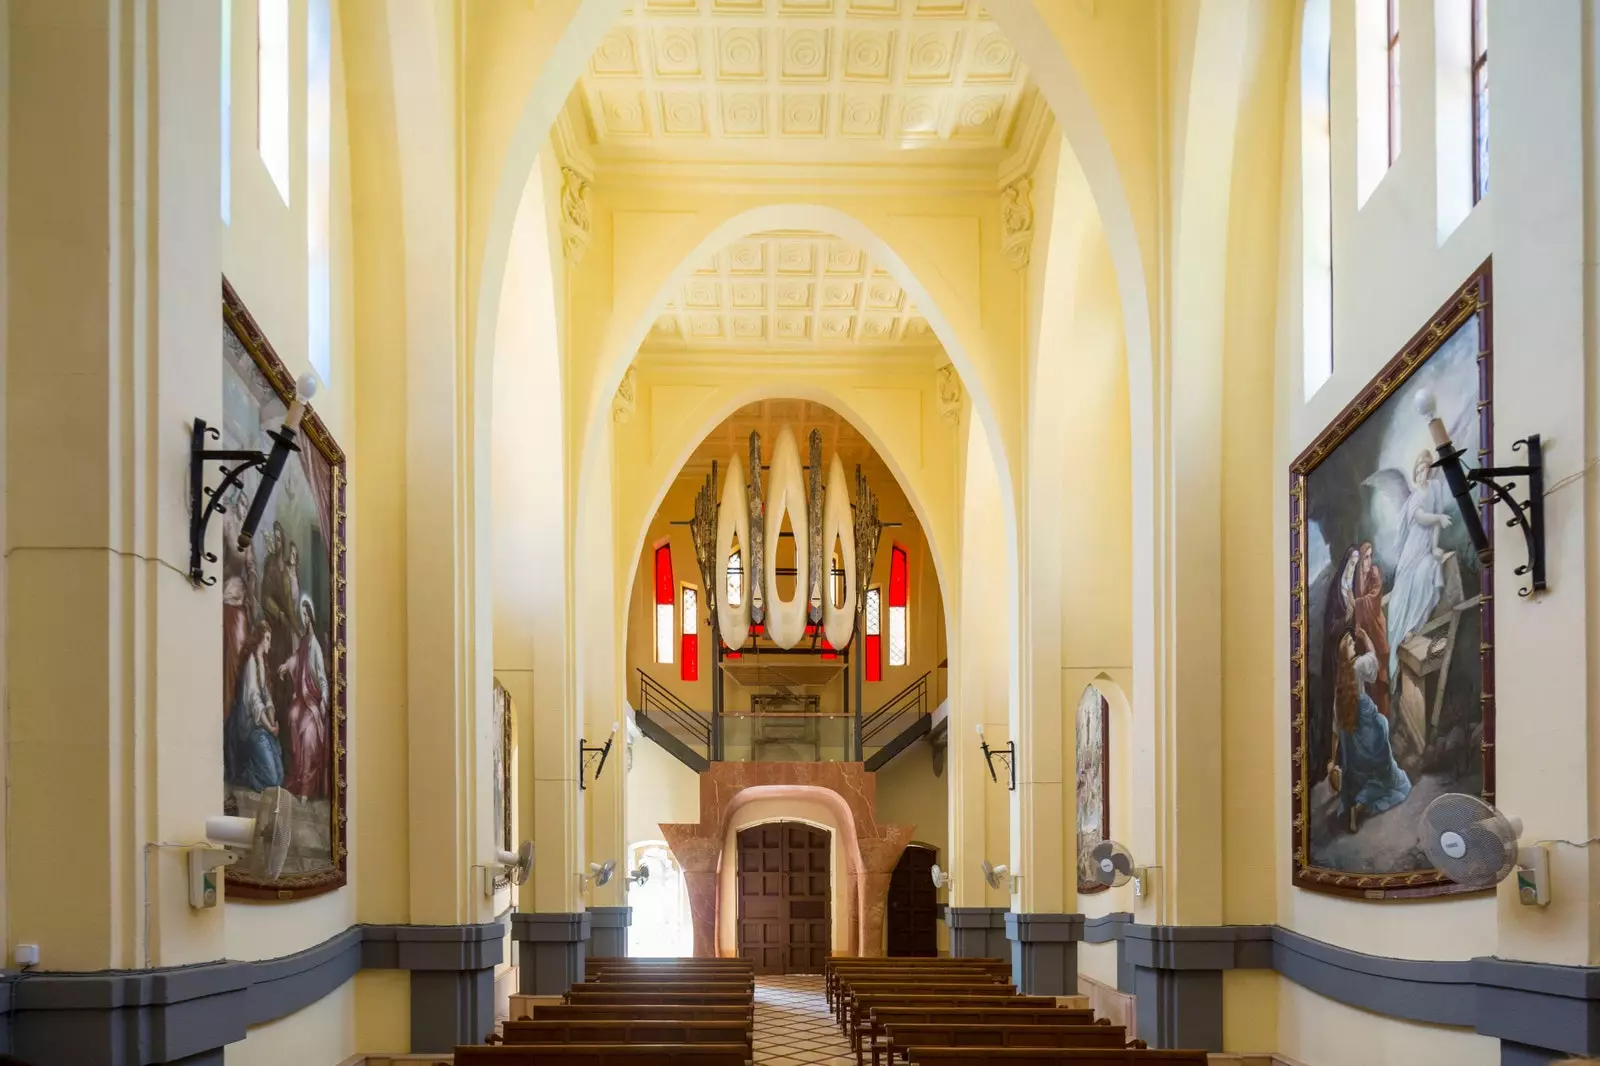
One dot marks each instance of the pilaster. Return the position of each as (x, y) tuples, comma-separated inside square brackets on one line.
[(1044, 952), (551, 949), (608, 936), (977, 932)]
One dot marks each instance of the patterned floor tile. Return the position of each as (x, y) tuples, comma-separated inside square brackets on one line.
[(794, 1026)]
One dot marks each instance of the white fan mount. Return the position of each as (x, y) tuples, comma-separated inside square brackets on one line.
[(1476, 846)]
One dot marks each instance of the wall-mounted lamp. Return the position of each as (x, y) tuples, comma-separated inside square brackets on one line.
[(1529, 514), (234, 464), (1008, 756), (585, 752)]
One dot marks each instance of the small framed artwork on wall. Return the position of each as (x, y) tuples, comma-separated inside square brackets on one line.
[(283, 628), (1391, 631)]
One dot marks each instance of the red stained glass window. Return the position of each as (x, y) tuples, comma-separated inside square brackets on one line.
[(664, 605)]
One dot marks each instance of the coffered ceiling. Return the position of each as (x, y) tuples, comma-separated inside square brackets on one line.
[(811, 81), (791, 289)]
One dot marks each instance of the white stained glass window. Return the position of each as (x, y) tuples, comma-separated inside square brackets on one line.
[(664, 634), (897, 636), (227, 111), (272, 90), (735, 580), (319, 119), (874, 612), (691, 620)]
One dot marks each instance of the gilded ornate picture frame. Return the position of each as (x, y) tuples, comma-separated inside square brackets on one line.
[(284, 618), (1391, 666)]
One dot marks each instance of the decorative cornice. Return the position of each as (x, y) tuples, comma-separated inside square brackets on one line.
[(797, 360), (1033, 132)]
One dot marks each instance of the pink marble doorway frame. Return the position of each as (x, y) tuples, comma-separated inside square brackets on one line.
[(871, 848)]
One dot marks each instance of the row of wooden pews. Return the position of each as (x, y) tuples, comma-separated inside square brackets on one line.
[(964, 1012), (635, 1012)]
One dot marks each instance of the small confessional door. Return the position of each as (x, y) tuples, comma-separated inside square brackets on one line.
[(784, 893), (914, 905)]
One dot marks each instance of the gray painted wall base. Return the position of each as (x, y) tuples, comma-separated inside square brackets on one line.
[(188, 1014), (977, 932), (608, 935), (1044, 952), (450, 1008), (1538, 1012), (551, 949)]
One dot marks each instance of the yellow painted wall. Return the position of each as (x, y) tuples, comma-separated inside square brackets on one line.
[(910, 794), (324, 1032), (660, 789)]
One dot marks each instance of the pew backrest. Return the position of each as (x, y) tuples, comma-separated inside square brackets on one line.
[(601, 1055), (641, 1012), (627, 1031), (939, 1034), (582, 994), (959, 1056)]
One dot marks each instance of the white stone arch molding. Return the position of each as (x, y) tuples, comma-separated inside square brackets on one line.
[(562, 34), (800, 389)]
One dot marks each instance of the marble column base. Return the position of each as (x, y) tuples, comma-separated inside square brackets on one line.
[(551, 949), (608, 936), (978, 932), (1044, 952)]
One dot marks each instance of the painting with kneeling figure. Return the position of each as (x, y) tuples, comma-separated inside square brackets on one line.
[(282, 625), (1391, 656)]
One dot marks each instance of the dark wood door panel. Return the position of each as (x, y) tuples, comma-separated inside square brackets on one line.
[(913, 905), (784, 919)]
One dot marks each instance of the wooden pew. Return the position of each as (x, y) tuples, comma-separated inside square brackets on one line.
[(1019, 1056), (730, 988), (866, 1003), (1001, 1012), (900, 1036), (833, 967), (944, 978), (601, 1055), (850, 991), (839, 976), (666, 981), (582, 994), (628, 1031), (635, 1011)]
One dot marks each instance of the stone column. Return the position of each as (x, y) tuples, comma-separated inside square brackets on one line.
[(874, 903), (112, 347), (977, 932), (702, 885)]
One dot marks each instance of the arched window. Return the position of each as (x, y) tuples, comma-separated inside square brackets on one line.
[(226, 148), (319, 121), (1480, 100), (662, 927), (689, 670), (1316, 199), (272, 90), (665, 630), (1377, 55), (873, 634), (899, 637)]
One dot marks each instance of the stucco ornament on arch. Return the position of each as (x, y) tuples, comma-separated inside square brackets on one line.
[(871, 848)]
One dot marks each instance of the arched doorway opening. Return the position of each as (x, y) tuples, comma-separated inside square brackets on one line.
[(913, 920)]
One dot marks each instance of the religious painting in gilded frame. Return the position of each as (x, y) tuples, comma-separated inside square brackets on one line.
[(1094, 775), (283, 627), (1391, 632), (504, 734)]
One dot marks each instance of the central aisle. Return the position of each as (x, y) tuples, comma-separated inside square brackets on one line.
[(793, 1025)]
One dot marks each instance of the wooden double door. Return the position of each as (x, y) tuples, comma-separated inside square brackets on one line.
[(914, 905), (784, 916)]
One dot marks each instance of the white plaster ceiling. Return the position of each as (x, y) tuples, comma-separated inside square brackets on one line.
[(793, 288), (807, 80)]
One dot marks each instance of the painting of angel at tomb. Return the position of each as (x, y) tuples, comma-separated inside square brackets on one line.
[(1389, 622)]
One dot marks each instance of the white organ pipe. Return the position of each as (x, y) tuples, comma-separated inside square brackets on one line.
[(786, 492), (838, 622), (733, 519)]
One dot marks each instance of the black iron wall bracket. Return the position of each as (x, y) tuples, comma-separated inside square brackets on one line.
[(205, 501)]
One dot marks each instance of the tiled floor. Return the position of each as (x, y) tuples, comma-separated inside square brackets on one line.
[(794, 1026)]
